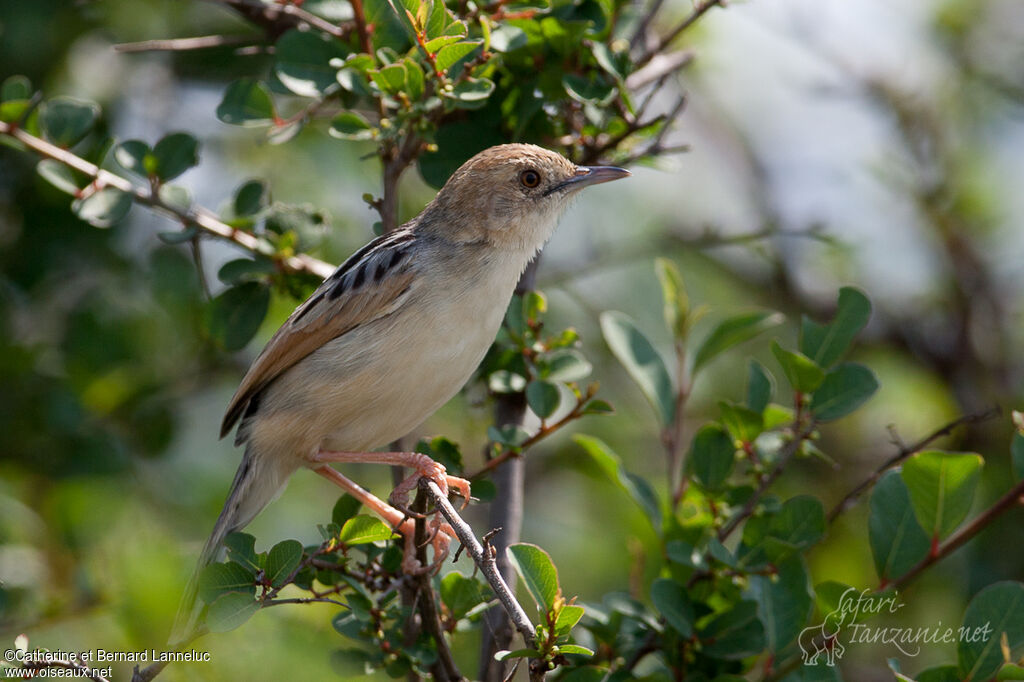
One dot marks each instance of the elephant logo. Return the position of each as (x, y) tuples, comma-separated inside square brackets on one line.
[(823, 639)]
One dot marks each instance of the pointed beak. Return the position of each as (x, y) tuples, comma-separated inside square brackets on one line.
[(590, 175)]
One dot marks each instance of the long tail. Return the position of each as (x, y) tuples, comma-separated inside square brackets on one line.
[(255, 486)]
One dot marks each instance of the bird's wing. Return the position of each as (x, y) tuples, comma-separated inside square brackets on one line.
[(372, 283)]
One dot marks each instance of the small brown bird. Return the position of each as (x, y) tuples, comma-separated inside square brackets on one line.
[(390, 337)]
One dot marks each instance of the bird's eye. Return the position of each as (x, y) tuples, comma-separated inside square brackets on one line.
[(529, 178)]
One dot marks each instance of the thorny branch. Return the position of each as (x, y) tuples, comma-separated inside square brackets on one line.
[(201, 217)]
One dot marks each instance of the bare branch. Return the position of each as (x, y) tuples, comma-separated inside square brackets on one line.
[(484, 560), (699, 10), (660, 66), (185, 44), (279, 17), (201, 217)]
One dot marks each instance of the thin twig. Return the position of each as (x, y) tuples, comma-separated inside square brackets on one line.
[(185, 44), (484, 560), (799, 436), (698, 11), (903, 453), (281, 16), (201, 217)]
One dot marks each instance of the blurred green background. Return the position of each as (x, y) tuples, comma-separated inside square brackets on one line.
[(875, 143)]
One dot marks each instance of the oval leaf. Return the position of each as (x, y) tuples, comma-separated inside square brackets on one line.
[(104, 208), (543, 398), (220, 578), (236, 315), (826, 343), (733, 331), (66, 120), (671, 600), (897, 540), (843, 390), (941, 487), (362, 529), (246, 103), (996, 610), (538, 572), (642, 361), (174, 154), (712, 457), (282, 559), (231, 611)]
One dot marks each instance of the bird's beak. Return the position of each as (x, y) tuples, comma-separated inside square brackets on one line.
[(591, 175)]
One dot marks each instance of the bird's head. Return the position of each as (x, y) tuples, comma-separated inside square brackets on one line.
[(510, 196)]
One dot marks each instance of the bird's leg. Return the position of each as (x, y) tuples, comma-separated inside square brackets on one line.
[(422, 464), (441, 536)]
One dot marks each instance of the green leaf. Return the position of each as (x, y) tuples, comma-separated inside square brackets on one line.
[(135, 156), (568, 616), (242, 550), (282, 559), (303, 62), (432, 46), (671, 600), (344, 509), (58, 175), (217, 579), (784, 602), (565, 365), (731, 332), (175, 196), (588, 91), (511, 435), (390, 79), (598, 407), (443, 451), (231, 611), (252, 198), (472, 93), (507, 38), (1009, 671), (349, 125), (235, 315), (941, 487), (460, 594), (609, 463), (534, 566), (897, 540), (843, 390), (518, 653), (996, 610), (803, 374), (743, 424), (772, 537), (246, 103), (574, 649), (103, 208), (15, 87), (449, 55), (734, 634), (760, 387), (1017, 455), (414, 82), (712, 457), (942, 673), (64, 121), (363, 529), (825, 344), (642, 361), (676, 304), (174, 154), (543, 398)]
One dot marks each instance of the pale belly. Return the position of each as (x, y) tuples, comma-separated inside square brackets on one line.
[(378, 382)]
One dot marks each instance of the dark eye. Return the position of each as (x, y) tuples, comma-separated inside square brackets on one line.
[(529, 178)]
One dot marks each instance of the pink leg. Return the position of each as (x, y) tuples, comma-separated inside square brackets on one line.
[(423, 465), (442, 532)]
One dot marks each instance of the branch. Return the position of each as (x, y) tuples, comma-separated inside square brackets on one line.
[(698, 11), (201, 217), (485, 561), (903, 453), (1014, 497), (799, 436), (279, 17), (185, 44)]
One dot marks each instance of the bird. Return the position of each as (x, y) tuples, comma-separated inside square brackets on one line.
[(388, 338)]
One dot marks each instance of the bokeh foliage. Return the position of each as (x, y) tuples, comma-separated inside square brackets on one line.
[(111, 342)]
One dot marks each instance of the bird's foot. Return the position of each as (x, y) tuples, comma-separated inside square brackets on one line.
[(427, 468)]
